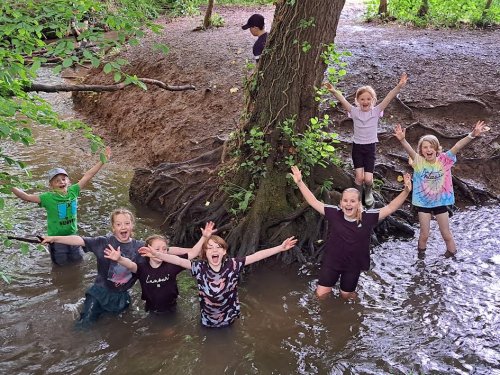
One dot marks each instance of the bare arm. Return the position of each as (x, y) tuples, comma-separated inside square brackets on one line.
[(479, 128), (306, 193), (400, 134), (345, 104), (392, 94), (115, 254), (169, 258), (398, 201), (67, 240), (92, 171), (262, 254), (196, 249), (25, 196)]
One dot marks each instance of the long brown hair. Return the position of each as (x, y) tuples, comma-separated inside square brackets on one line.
[(218, 240)]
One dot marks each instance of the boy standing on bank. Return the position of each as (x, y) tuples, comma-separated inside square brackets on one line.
[(257, 28), (61, 205)]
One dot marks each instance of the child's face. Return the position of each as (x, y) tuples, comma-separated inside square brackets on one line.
[(365, 101), (254, 30), (122, 227), (215, 254), (60, 183), (158, 245), (350, 204), (428, 151)]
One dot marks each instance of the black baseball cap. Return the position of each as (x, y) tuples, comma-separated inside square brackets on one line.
[(254, 20)]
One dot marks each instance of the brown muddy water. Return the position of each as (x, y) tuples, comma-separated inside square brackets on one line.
[(430, 315)]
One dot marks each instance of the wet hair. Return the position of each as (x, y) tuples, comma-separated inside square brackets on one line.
[(432, 139), (154, 237), (369, 90), (122, 211), (358, 194), (218, 240)]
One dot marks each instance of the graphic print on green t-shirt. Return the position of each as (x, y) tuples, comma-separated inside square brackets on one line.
[(61, 211)]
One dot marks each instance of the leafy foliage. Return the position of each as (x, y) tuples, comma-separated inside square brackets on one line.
[(440, 13)]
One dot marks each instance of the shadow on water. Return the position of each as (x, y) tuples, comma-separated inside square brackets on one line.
[(430, 315)]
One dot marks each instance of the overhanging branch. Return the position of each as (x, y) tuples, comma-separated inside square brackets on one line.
[(100, 88)]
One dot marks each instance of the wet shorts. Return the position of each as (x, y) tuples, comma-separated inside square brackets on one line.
[(348, 279), (433, 210), (65, 254), (363, 156)]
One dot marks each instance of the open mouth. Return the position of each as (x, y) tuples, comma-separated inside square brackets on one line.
[(215, 258)]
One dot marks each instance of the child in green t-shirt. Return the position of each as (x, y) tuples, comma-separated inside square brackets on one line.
[(61, 205)]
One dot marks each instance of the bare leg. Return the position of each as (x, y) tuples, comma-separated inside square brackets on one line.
[(323, 291), (359, 174), (444, 228), (348, 296), (425, 227)]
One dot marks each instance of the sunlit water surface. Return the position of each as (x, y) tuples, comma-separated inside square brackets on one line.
[(430, 315)]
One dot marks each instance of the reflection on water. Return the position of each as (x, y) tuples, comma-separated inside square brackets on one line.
[(430, 315)]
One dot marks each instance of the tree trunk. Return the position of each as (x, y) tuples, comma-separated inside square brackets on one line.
[(424, 9), (486, 8), (382, 9), (208, 14), (289, 70)]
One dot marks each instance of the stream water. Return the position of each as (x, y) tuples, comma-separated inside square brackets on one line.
[(414, 315)]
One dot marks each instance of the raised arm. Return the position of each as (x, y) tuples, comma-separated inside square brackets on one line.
[(67, 240), (196, 249), (398, 201), (345, 104), (479, 128), (25, 196), (392, 94), (169, 258), (266, 253), (115, 254), (92, 171), (400, 134), (306, 193)]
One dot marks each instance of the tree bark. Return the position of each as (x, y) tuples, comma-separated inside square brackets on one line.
[(424, 9), (208, 14), (382, 8)]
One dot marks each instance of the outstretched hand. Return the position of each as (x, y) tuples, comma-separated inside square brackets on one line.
[(208, 230), (46, 240), (329, 87), (399, 132), (403, 80), (107, 153), (147, 251), (480, 128), (296, 174), (111, 253), (289, 243), (407, 182)]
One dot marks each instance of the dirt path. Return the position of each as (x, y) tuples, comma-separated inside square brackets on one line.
[(453, 83)]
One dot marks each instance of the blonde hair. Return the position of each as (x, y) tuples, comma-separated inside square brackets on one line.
[(432, 139), (360, 208), (122, 211), (369, 90), (218, 240), (154, 237)]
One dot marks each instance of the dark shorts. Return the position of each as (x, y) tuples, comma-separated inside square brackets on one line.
[(433, 210), (65, 254), (363, 156), (348, 279)]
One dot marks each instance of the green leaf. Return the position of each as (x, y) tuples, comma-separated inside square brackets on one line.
[(95, 62), (67, 62), (117, 77), (108, 68)]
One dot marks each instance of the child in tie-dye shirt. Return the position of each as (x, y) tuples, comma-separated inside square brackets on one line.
[(217, 277), (432, 182)]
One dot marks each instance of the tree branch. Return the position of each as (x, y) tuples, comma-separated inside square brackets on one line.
[(99, 88)]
